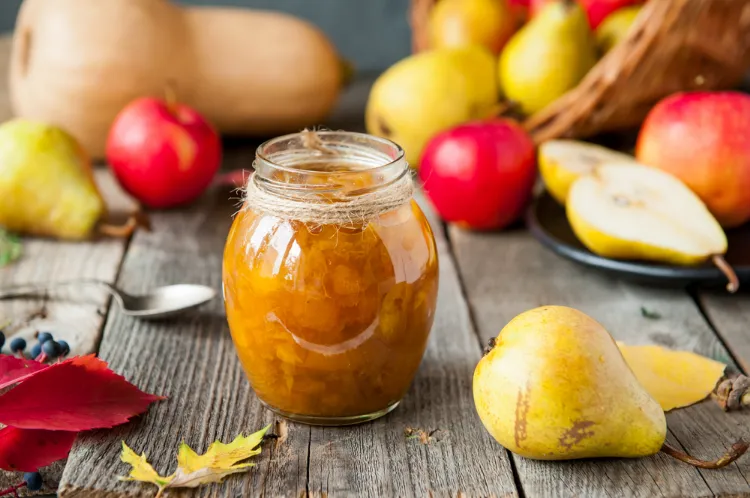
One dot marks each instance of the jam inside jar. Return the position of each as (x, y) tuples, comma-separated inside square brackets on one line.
[(330, 278)]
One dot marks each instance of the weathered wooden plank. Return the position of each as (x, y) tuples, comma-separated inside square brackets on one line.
[(376, 460), (730, 315), (507, 273), (190, 359)]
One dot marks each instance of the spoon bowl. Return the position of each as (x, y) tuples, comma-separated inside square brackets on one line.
[(165, 301)]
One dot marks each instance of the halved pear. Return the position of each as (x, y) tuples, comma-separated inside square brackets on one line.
[(631, 211), (562, 161)]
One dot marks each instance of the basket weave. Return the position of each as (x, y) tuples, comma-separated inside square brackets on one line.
[(674, 45)]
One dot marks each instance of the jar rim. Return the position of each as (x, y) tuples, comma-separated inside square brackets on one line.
[(398, 150)]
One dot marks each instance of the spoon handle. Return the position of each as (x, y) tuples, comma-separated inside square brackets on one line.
[(25, 290)]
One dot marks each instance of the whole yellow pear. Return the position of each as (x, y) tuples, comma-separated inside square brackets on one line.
[(456, 23), (429, 92), (547, 57), (554, 386), (46, 183)]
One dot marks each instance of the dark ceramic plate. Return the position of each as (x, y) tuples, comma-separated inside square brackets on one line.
[(547, 222)]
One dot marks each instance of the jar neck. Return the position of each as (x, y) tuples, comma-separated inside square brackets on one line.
[(330, 164)]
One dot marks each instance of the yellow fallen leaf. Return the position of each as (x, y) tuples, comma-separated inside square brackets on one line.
[(219, 461), (142, 470), (673, 378)]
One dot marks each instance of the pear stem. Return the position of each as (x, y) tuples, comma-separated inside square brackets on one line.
[(721, 264), (738, 449), (138, 219)]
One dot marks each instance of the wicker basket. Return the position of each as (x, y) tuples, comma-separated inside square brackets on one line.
[(674, 45)]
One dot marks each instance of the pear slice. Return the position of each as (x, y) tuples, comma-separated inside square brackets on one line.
[(562, 161), (631, 211)]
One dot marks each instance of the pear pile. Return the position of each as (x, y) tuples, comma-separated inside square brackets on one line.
[(619, 208), (554, 385), (486, 57)]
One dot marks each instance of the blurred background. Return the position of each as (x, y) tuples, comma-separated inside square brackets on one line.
[(351, 24)]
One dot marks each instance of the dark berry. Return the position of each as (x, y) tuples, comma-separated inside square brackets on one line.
[(2, 339), (51, 349), (18, 344), (33, 480), (36, 350), (44, 337), (64, 348)]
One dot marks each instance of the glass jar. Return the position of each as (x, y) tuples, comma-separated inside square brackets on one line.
[(330, 277)]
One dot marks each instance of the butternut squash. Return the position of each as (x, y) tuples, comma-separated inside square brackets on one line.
[(77, 63)]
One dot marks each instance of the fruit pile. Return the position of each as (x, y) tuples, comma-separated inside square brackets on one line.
[(486, 55), (671, 202), (162, 152)]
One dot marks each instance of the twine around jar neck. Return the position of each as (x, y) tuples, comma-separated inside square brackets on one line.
[(328, 204)]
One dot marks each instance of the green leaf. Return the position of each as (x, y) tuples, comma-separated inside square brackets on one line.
[(10, 248)]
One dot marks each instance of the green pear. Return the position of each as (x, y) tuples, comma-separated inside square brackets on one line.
[(548, 56), (555, 386), (46, 183), (429, 92)]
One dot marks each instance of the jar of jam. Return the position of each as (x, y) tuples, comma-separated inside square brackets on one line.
[(330, 277)]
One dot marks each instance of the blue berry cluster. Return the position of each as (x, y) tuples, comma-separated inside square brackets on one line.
[(46, 344)]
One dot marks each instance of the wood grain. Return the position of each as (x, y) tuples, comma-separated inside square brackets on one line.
[(377, 460), (507, 273), (730, 315), (190, 359)]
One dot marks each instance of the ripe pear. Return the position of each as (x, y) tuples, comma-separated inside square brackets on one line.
[(562, 161), (456, 23), (429, 92), (554, 386), (548, 56), (632, 211), (615, 27), (46, 183)]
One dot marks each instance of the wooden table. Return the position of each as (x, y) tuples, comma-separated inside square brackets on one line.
[(485, 280)]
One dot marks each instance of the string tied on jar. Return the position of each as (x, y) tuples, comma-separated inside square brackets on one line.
[(328, 178)]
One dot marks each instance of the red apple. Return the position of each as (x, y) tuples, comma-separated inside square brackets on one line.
[(703, 138), (598, 10), (480, 174), (164, 154)]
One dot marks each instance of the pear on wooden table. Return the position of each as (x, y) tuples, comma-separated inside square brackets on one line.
[(631, 211), (554, 385), (563, 161), (47, 186)]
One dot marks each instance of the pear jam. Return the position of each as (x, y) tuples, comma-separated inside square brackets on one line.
[(330, 316)]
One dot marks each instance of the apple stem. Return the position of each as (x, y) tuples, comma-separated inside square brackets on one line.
[(137, 219), (170, 95), (738, 449), (721, 264)]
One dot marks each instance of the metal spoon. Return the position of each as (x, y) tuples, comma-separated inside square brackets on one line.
[(158, 303)]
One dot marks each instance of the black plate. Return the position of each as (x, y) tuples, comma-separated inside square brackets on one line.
[(546, 220)]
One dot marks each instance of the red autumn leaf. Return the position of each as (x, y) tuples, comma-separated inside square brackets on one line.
[(26, 450), (78, 394), (13, 370)]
